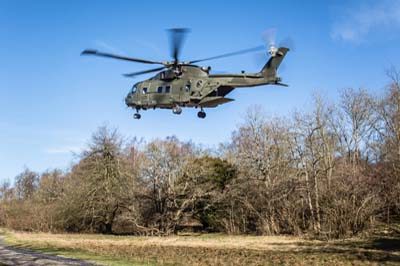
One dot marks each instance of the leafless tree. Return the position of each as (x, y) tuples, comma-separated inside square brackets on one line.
[(98, 186), (26, 184)]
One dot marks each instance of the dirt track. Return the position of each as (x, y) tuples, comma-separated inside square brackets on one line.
[(17, 256)]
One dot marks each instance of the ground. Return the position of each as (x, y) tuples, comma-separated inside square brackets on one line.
[(212, 249), (14, 256)]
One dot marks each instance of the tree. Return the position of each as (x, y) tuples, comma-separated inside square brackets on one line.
[(265, 174), (389, 131), (358, 122), (202, 192), (98, 186), (26, 183), (164, 163), (51, 186)]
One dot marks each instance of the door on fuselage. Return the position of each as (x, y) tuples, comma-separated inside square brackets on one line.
[(184, 92)]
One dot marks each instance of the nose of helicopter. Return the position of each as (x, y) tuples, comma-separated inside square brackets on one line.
[(128, 99)]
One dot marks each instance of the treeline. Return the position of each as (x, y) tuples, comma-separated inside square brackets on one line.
[(332, 172)]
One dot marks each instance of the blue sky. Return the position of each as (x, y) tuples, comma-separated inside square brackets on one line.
[(52, 99)]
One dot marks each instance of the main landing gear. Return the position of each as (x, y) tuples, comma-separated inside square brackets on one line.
[(177, 110), (201, 114)]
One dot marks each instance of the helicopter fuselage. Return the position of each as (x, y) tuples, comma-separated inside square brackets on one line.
[(191, 86)]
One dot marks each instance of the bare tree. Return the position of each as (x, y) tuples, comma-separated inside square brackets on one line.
[(358, 123), (263, 159), (26, 184), (389, 131), (99, 185), (163, 164)]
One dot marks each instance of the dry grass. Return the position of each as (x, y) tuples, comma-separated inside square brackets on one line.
[(213, 249)]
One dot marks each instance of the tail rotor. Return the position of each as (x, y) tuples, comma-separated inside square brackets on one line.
[(269, 37)]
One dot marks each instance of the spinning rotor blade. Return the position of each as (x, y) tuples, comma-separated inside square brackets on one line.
[(176, 38), (288, 42), (257, 48), (95, 52), (269, 37), (144, 72)]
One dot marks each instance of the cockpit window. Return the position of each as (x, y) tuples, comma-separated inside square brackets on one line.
[(134, 89)]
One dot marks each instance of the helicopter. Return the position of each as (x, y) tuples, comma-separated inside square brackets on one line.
[(185, 84)]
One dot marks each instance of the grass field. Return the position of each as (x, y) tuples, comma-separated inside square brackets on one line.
[(212, 249)]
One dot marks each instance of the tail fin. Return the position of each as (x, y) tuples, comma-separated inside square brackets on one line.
[(269, 70)]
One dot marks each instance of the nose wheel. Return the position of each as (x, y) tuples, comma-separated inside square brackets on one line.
[(177, 110), (201, 114), (137, 115)]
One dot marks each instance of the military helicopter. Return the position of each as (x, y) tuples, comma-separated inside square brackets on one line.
[(185, 84)]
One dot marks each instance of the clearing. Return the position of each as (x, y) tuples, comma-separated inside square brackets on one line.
[(212, 249)]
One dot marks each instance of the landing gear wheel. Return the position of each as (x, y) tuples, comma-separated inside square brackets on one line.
[(137, 116), (201, 114), (177, 110)]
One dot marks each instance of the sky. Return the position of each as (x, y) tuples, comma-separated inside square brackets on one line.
[(52, 99)]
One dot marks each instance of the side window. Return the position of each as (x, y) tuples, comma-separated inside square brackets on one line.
[(144, 90), (159, 90), (167, 89), (187, 87)]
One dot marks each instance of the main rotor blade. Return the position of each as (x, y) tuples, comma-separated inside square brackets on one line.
[(261, 47), (95, 52), (176, 38), (144, 72)]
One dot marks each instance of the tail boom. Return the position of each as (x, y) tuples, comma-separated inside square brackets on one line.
[(270, 68)]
